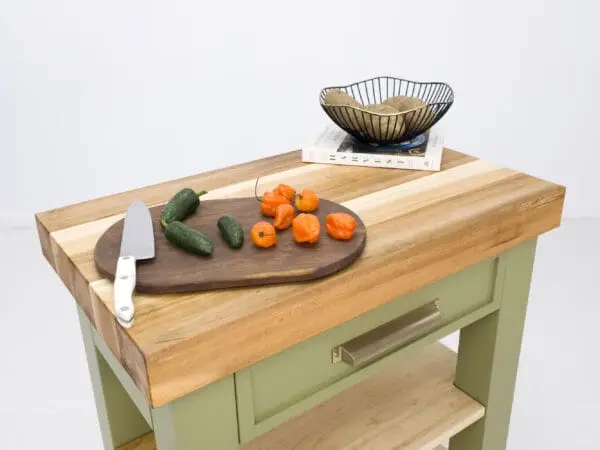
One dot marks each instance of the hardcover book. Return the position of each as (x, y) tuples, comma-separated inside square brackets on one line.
[(335, 146)]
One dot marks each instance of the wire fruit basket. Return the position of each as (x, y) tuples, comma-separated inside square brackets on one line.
[(386, 110)]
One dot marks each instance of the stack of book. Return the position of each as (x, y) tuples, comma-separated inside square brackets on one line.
[(335, 146)]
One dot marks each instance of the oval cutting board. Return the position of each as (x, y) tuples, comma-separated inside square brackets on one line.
[(175, 270)]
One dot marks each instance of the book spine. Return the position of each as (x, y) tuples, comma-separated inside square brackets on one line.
[(368, 160)]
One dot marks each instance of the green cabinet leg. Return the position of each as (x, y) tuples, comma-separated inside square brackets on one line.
[(203, 420), (488, 356), (120, 420)]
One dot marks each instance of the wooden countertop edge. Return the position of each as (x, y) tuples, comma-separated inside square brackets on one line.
[(202, 347), (123, 347), (44, 238)]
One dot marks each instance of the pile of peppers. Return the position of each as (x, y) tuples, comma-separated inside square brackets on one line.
[(282, 204)]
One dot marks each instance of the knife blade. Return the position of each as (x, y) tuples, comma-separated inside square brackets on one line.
[(137, 244)]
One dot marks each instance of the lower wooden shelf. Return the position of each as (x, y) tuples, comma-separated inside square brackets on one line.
[(145, 442), (412, 406)]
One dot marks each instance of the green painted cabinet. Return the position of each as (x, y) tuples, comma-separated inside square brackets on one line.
[(291, 382)]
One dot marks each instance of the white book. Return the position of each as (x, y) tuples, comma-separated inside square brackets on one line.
[(335, 146)]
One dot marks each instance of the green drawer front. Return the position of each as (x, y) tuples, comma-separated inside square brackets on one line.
[(293, 381)]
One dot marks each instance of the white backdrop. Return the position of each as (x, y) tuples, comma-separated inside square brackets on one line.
[(98, 97)]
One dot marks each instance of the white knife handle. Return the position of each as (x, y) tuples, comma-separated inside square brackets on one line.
[(124, 286)]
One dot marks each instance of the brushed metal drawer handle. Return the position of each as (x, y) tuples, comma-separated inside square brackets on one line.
[(388, 337)]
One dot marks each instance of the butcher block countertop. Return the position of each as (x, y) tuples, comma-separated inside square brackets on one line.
[(421, 227)]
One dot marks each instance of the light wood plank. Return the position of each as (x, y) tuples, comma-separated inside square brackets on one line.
[(421, 227), (412, 406), (64, 217), (67, 216), (145, 442)]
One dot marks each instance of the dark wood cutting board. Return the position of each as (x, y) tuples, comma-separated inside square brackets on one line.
[(175, 270)]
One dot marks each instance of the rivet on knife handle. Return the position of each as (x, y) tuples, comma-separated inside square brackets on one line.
[(123, 291)]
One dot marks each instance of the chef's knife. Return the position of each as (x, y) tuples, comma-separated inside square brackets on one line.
[(137, 244)]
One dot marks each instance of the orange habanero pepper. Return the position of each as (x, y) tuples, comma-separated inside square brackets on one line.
[(285, 191), (340, 225), (307, 201), (306, 228), (263, 235), (284, 215), (270, 202)]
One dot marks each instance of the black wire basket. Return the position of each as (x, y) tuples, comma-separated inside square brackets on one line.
[(359, 109)]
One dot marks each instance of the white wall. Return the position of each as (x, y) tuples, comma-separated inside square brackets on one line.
[(98, 97)]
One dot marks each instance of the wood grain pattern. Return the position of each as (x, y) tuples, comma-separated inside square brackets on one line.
[(422, 227), (413, 406), (145, 442), (175, 270)]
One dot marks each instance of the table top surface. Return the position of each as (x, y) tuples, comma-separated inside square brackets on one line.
[(421, 227)]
